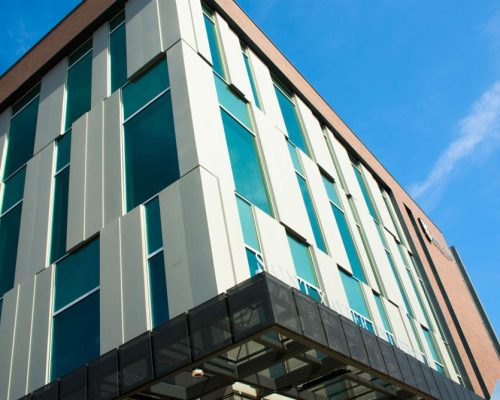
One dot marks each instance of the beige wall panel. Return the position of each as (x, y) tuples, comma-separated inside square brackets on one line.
[(237, 73), (4, 130), (135, 290), (50, 111), (275, 248), (199, 30), (77, 183), (112, 159), (176, 23), (143, 34), (94, 171), (110, 278), (100, 64), (265, 84), (315, 137), (22, 336), (40, 331), (7, 338), (290, 208)]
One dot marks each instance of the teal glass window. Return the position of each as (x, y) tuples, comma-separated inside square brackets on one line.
[(13, 190), (295, 157), (118, 51), (140, 92), (399, 283), (9, 237), (385, 320), (255, 261), (247, 223), (251, 78), (60, 199), (75, 330), (21, 139), (79, 84), (357, 302), (366, 194), (232, 103), (291, 118), (153, 225), (302, 261), (438, 363), (245, 163), (213, 42)]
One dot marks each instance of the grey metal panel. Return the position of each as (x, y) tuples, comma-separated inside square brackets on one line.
[(143, 34), (22, 344), (100, 67), (76, 196), (111, 317), (135, 299), (7, 329), (50, 112), (176, 23), (112, 156), (4, 130), (94, 173), (40, 329)]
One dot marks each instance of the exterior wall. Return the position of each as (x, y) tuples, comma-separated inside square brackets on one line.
[(201, 228)]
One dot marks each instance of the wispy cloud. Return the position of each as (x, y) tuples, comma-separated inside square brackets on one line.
[(21, 38), (479, 131)]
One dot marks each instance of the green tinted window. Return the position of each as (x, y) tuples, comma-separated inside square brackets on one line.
[(311, 213), (158, 287), (13, 190), (247, 223), (400, 284), (139, 92), (9, 236), (63, 151), (354, 294), (245, 163), (150, 151), (366, 195), (331, 191), (75, 336), (77, 275), (59, 216), (232, 103), (153, 225), (431, 344), (78, 54), (295, 157), (78, 88), (383, 314), (252, 80), (302, 261), (291, 120), (255, 262), (21, 137), (213, 42), (118, 56)]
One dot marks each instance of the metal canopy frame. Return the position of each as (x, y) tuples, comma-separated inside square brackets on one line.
[(263, 334)]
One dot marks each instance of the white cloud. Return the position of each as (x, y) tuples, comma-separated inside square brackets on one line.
[(479, 130)]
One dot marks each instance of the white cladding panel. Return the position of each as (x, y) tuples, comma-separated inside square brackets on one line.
[(4, 130), (7, 330), (100, 64)]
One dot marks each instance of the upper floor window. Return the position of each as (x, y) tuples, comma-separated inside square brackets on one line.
[(250, 236), (251, 77), (213, 41), (118, 51)]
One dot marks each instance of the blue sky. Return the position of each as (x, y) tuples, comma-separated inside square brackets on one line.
[(417, 80)]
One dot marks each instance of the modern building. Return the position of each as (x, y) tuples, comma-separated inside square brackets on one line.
[(182, 216)]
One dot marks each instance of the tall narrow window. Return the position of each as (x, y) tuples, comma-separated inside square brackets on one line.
[(292, 122), (213, 41), (75, 325), (385, 321), (118, 51), (357, 303), (20, 139), (250, 237), (251, 78), (60, 198), (156, 264), (79, 83), (151, 162), (306, 197), (436, 356), (304, 268)]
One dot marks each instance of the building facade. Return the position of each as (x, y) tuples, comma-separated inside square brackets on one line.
[(158, 154)]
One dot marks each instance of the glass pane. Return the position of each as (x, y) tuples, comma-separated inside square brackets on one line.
[(318, 236), (419, 298), (77, 274), (118, 58), (295, 157), (366, 195), (400, 284), (158, 287), (78, 89), (78, 54), (430, 343), (255, 262), (13, 190), (59, 216), (75, 336), (231, 102), (383, 315), (214, 46), (348, 242), (245, 163), (354, 294), (139, 92), (150, 151), (291, 121), (331, 192), (9, 237), (247, 223), (26, 99), (21, 138), (117, 21), (252, 80), (153, 225), (302, 261), (63, 151), (1, 304)]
